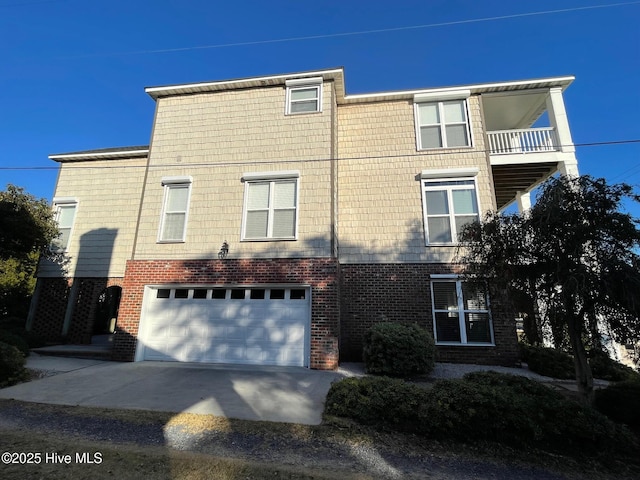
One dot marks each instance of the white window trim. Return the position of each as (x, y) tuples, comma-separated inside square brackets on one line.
[(168, 183), (461, 311), (271, 177), (302, 84), (61, 202), (454, 234), (438, 100)]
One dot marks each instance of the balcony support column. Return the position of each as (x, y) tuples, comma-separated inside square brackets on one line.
[(524, 201), (558, 119)]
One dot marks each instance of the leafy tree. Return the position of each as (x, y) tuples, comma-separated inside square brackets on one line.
[(571, 260), (27, 228)]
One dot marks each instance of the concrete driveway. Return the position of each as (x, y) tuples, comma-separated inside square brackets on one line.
[(275, 394)]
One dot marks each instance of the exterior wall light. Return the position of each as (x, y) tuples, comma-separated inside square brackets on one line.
[(224, 250)]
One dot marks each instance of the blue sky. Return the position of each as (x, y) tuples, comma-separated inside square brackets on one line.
[(73, 72)]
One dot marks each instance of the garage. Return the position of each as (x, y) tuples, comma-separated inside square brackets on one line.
[(241, 325)]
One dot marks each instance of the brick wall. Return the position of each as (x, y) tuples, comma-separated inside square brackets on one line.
[(320, 273), (52, 307), (371, 293)]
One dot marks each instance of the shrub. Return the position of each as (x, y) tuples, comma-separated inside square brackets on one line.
[(381, 401), (16, 340), (550, 362), (398, 350), (487, 406), (621, 403), (12, 368), (605, 368)]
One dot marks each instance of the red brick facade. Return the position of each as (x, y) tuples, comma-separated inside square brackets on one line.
[(53, 302), (371, 293), (320, 273)]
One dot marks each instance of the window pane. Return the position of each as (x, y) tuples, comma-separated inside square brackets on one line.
[(447, 327), (173, 227), (464, 201), (457, 136), (62, 241), (284, 223), (445, 296), (454, 111), (437, 202), (177, 199), (430, 137), (258, 196), (65, 216), (297, 294), (474, 296), (477, 325), (304, 94), (182, 293), (163, 293), (439, 230), (306, 106), (428, 113), (284, 195), (237, 293), (218, 293), (462, 221), (200, 293), (256, 226), (257, 294), (276, 294)]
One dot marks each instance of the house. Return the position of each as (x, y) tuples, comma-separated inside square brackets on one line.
[(272, 220)]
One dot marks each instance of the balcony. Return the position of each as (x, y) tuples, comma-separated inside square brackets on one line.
[(528, 139)]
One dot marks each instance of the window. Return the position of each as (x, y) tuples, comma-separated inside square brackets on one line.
[(460, 312), (270, 210), (173, 224), (304, 96), (65, 212), (442, 124), (449, 205)]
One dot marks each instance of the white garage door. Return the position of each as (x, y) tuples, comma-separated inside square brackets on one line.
[(247, 325)]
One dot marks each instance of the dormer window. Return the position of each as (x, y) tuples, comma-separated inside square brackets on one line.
[(304, 96)]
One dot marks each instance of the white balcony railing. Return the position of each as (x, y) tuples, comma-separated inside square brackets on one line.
[(528, 140)]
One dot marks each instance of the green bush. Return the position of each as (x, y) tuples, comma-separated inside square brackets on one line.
[(381, 401), (398, 350), (621, 403), (550, 362), (12, 368), (605, 368), (487, 406), (16, 340)]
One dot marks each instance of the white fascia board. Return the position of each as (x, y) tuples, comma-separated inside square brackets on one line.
[(562, 82), (239, 83), (78, 156), (450, 172), (247, 177)]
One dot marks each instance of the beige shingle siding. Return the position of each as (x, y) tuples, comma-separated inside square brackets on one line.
[(108, 194), (216, 138), (380, 200)]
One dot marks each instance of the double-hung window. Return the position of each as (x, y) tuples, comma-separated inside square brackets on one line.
[(460, 312), (449, 204), (175, 209), (304, 96), (442, 124), (65, 213), (270, 206)]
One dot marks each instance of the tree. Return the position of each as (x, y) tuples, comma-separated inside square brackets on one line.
[(27, 227), (572, 259)]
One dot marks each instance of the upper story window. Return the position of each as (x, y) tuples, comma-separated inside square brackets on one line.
[(448, 204), (270, 206), (460, 312), (304, 95), (65, 213), (442, 124), (175, 209)]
